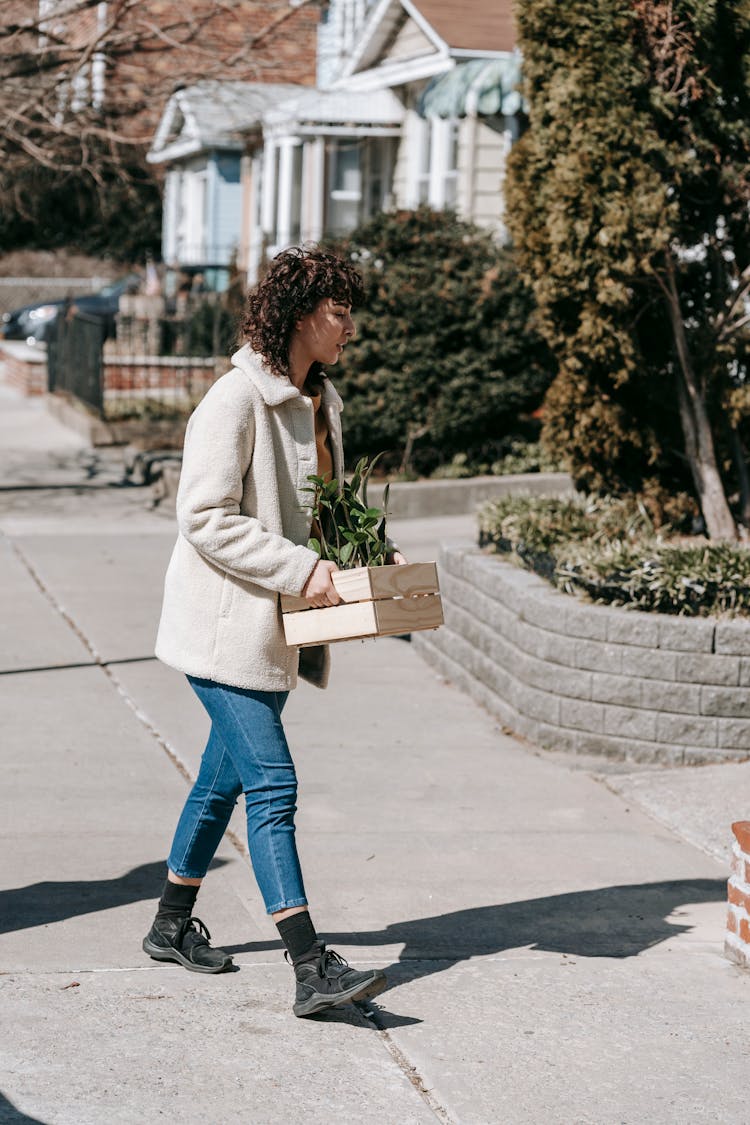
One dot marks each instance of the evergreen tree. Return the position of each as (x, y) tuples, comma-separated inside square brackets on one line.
[(628, 204), (447, 355)]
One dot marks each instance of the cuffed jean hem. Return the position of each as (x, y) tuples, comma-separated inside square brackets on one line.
[(287, 904), (176, 870)]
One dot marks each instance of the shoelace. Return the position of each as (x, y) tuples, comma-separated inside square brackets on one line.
[(193, 928), (330, 955)]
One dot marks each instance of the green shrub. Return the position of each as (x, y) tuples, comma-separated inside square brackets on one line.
[(660, 577), (607, 550), (527, 457), (447, 359)]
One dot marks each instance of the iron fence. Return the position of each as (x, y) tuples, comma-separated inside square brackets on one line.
[(146, 363)]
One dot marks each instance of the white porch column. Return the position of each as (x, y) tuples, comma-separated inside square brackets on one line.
[(314, 188), (439, 157), (255, 245), (268, 199), (287, 146)]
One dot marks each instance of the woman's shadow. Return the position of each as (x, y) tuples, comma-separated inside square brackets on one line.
[(618, 922)]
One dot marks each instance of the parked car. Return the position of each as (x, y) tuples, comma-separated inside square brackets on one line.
[(35, 323)]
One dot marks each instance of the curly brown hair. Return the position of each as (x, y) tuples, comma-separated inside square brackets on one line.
[(297, 280)]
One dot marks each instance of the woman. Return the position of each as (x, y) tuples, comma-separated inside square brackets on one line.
[(244, 517)]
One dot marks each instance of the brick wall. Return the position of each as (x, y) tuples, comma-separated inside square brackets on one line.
[(737, 944), (23, 368), (591, 679), (166, 377), (205, 40)]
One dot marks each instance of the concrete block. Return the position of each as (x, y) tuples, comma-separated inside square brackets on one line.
[(556, 648), (687, 730), (686, 634), (557, 738), (734, 703), (631, 628), (630, 722), (628, 749), (625, 690), (545, 609), (659, 695), (648, 663), (465, 594), (708, 669), (586, 621), (557, 678), (700, 756), (732, 638), (540, 705), (486, 574), (734, 734), (582, 715), (597, 657), (744, 672)]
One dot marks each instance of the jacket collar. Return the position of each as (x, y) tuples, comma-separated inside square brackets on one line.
[(276, 389)]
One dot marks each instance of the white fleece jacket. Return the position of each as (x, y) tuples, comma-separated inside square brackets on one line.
[(244, 515)]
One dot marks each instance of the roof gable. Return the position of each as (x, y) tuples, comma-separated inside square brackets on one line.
[(422, 36), (213, 114)]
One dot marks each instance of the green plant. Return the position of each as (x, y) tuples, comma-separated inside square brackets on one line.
[(447, 358), (607, 549), (628, 201), (350, 532), (527, 457), (660, 577)]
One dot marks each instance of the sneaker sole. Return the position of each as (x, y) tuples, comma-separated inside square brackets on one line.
[(366, 991), (159, 954)]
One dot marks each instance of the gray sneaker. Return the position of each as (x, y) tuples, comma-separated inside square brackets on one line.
[(184, 939), (325, 980)]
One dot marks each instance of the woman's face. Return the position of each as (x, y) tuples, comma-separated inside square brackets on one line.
[(324, 333)]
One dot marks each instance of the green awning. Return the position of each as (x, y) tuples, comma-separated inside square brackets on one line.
[(481, 87)]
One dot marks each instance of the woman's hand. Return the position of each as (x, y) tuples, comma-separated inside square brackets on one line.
[(319, 589), (398, 559)]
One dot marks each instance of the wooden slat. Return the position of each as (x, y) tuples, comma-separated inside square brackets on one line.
[(408, 615), (363, 619), (365, 583), (335, 623)]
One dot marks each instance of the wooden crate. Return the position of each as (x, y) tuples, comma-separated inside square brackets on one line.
[(378, 601)]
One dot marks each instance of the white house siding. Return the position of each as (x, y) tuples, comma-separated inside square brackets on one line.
[(409, 42), (482, 155), (171, 214), (483, 190), (191, 225), (406, 155), (224, 207)]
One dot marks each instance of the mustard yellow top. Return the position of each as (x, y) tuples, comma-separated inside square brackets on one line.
[(322, 439)]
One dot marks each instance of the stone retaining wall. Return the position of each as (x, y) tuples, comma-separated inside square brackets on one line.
[(591, 679)]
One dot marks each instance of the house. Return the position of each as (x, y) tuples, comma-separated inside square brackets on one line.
[(416, 102)]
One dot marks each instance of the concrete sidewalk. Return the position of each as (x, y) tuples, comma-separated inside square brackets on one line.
[(555, 953)]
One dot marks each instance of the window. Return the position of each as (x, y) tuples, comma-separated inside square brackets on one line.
[(345, 186), (434, 168)]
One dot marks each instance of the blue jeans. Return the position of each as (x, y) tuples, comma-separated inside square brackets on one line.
[(246, 753)]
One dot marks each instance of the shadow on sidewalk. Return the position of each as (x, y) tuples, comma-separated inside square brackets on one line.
[(40, 904), (611, 922), (9, 1115)]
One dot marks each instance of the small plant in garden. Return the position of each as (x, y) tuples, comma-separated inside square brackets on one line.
[(351, 533), (608, 550)]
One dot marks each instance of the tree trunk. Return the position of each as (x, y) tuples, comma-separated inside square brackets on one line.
[(699, 441)]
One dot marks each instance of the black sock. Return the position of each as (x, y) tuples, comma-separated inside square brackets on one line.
[(298, 934), (177, 898)]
